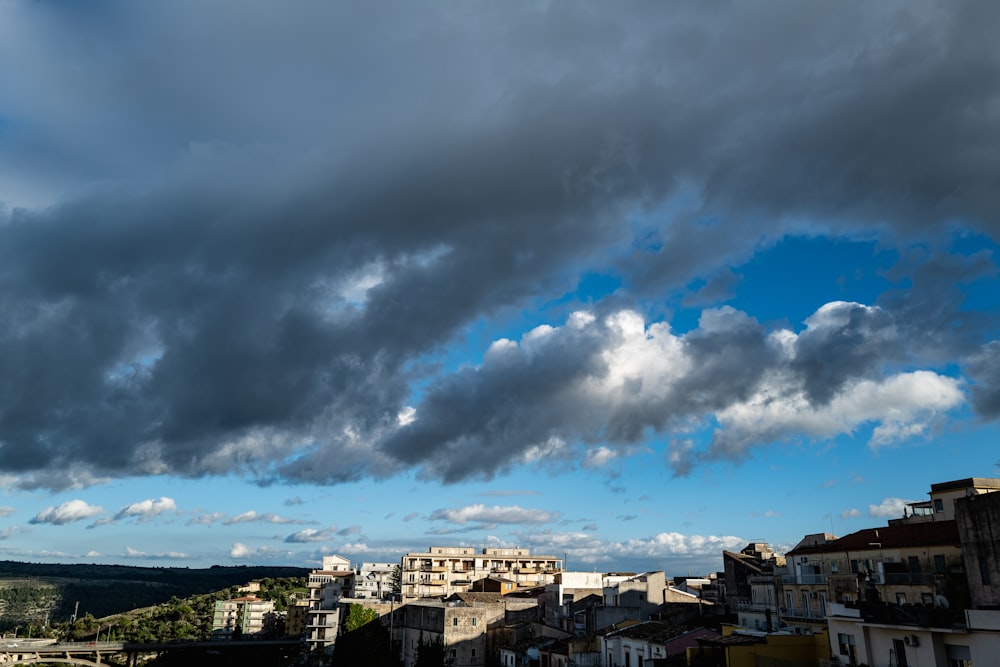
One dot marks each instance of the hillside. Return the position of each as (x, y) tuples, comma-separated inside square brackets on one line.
[(31, 593)]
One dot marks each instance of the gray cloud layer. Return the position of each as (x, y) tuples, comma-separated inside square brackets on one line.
[(242, 244)]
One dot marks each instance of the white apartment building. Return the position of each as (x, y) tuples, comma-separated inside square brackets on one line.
[(374, 581), (326, 587), (441, 571)]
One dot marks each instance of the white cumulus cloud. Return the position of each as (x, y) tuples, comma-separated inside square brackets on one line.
[(890, 507), (68, 512)]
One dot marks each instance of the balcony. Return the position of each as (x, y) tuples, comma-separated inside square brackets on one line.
[(434, 582), (754, 606), (433, 568), (909, 579), (917, 615), (805, 579), (808, 613)]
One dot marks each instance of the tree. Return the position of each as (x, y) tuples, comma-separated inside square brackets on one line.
[(397, 580), (431, 654), (365, 640)]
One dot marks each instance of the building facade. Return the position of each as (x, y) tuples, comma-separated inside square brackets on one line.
[(327, 586), (441, 571), (245, 616)]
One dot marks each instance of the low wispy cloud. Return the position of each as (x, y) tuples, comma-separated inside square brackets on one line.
[(240, 551), (851, 513), (6, 511), (667, 548), (136, 553), (482, 514), (475, 528), (68, 512), (253, 516), (206, 518), (308, 535), (142, 510)]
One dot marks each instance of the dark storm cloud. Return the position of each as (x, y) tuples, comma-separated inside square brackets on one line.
[(984, 368), (245, 241)]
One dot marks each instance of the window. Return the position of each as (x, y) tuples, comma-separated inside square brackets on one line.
[(846, 643), (938, 505), (473, 621), (473, 653), (913, 563), (854, 566), (900, 598), (984, 571), (454, 653), (939, 564), (958, 655), (834, 566)]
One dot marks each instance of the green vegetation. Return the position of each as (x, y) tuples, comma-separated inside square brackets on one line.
[(32, 594), (189, 618)]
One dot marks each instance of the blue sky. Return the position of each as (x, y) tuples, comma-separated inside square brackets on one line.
[(632, 285)]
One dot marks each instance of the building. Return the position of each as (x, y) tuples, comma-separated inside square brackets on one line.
[(460, 627), (245, 616), (494, 584), (941, 504), (327, 586), (641, 644), (923, 585), (441, 571), (296, 617), (375, 581), (644, 591)]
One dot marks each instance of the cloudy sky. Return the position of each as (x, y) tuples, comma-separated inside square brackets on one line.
[(633, 283)]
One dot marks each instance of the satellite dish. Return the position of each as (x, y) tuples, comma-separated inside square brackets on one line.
[(940, 601)]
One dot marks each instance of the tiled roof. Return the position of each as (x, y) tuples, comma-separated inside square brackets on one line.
[(928, 533)]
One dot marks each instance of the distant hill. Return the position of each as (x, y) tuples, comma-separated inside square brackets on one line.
[(31, 593)]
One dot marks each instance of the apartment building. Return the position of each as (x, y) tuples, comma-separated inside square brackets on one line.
[(245, 616), (327, 586), (374, 581), (441, 571), (915, 592), (941, 504), (903, 564)]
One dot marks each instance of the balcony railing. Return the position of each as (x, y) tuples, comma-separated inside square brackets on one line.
[(804, 579), (800, 612), (930, 617), (754, 606), (909, 578)]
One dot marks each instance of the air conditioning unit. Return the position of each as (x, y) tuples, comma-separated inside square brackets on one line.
[(911, 640)]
